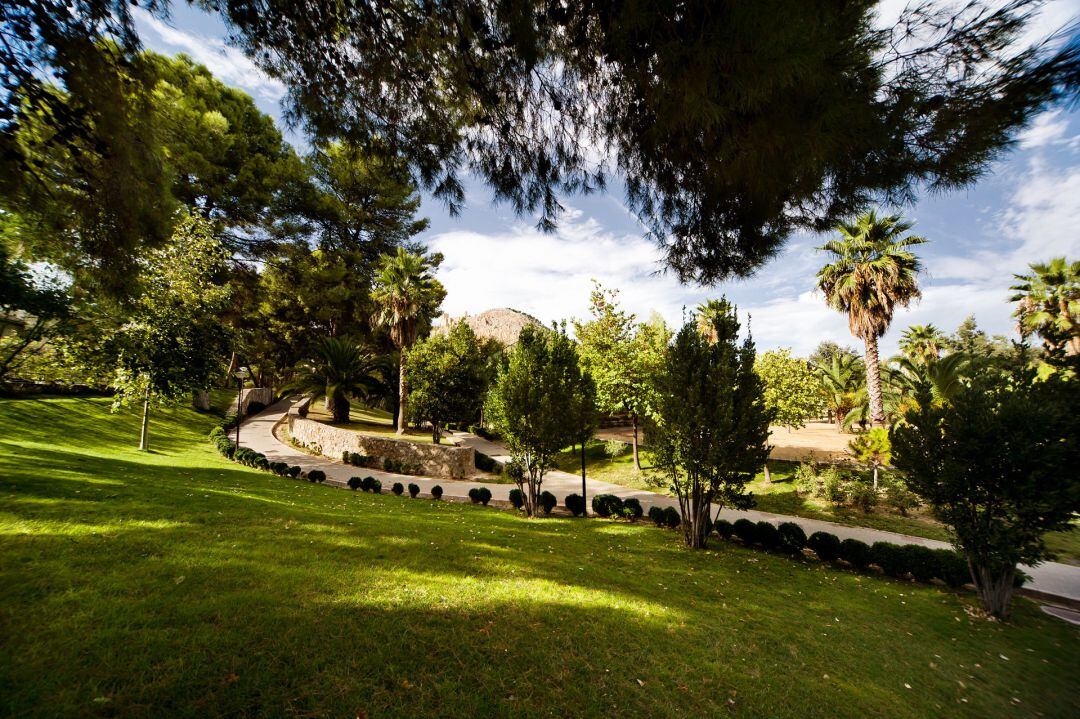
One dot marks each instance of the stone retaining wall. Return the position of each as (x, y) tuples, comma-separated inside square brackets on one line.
[(434, 460), (253, 394)]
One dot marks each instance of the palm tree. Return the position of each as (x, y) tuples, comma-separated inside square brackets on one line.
[(408, 297), (339, 370), (922, 342), (940, 378), (1049, 300), (707, 314), (873, 271), (842, 378)]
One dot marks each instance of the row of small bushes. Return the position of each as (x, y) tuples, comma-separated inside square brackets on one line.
[(848, 487), (546, 500), (370, 484), (610, 505), (895, 560), (258, 460), (386, 464)]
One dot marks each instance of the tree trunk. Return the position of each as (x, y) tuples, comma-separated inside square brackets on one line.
[(995, 589), (144, 432), (875, 478), (341, 408), (637, 459), (873, 382), (768, 475), (435, 435), (584, 495), (200, 400), (401, 392)]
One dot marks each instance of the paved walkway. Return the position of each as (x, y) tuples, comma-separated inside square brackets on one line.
[(1051, 578)]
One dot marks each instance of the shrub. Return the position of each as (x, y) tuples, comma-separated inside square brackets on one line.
[(230, 421), (316, 475), (474, 495), (825, 545), (724, 528), (436, 492), (613, 448), (656, 514), (485, 495), (575, 503), (953, 568), (899, 497), (355, 483), (262, 463), (217, 431), (862, 496), (346, 457), (390, 465), (631, 509), (855, 553), (375, 485), (792, 537), (547, 501), (768, 536), (485, 463), (607, 505), (806, 479), (397, 488), (921, 562), (672, 518), (745, 530), (832, 486), (413, 490), (294, 471), (889, 557), (517, 498)]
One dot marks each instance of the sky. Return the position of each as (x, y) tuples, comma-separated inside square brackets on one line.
[(1025, 209)]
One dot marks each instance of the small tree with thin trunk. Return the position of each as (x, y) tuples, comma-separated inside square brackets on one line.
[(872, 449), (998, 466), (447, 376), (533, 405), (873, 270), (711, 429)]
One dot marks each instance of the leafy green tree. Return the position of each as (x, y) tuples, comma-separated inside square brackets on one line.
[(843, 380), (792, 389), (922, 342), (711, 429), (408, 298), (983, 353), (621, 357), (873, 271), (31, 312), (447, 378), (1049, 306), (172, 341), (339, 370), (997, 465), (872, 449), (535, 405)]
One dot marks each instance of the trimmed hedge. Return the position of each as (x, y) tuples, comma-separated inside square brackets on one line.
[(436, 492), (672, 518), (517, 498), (294, 471), (375, 486), (575, 503), (768, 536), (607, 505), (474, 496), (316, 475), (656, 514), (745, 530), (792, 537), (724, 528), (355, 483), (397, 488), (480, 495), (547, 501), (825, 545), (413, 490), (631, 509), (855, 553), (889, 557)]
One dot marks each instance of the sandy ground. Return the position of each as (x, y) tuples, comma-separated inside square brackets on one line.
[(817, 438)]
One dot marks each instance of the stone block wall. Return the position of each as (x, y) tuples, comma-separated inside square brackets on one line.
[(434, 460)]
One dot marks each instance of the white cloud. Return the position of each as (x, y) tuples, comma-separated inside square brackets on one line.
[(1048, 128), (228, 64)]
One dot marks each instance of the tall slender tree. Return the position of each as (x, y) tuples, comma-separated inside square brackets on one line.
[(873, 270), (408, 297)]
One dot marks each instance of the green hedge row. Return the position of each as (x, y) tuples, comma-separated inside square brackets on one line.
[(251, 458)]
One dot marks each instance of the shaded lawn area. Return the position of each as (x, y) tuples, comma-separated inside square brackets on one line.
[(378, 422), (177, 584), (780, 497)]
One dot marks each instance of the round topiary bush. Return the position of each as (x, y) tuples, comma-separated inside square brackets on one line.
[(547, 502), (397, 488), (413, 490), (825, 545), (855, 553), (474, 495), (656, 514), (631, 509), (921, 561), (890, 558), (485, 495), (745, 530), (607, 505), (375, 486), (768, 536), (792, 537), (316, 475), (436, 492), (953, 568), (294, 471), (517, 498), (575, 503), (355, 483), (724, 528), (672, 518)]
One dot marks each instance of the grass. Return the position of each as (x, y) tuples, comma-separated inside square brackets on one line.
[(377, 422), (779, 496), (174, 583)]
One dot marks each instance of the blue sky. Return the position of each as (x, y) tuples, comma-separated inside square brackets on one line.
[(1025, 210)]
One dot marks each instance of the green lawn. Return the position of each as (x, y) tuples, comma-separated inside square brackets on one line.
[(376, 422), (779, 496), (176, 584)]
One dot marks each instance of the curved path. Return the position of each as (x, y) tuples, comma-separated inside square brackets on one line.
[(258, 433)]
